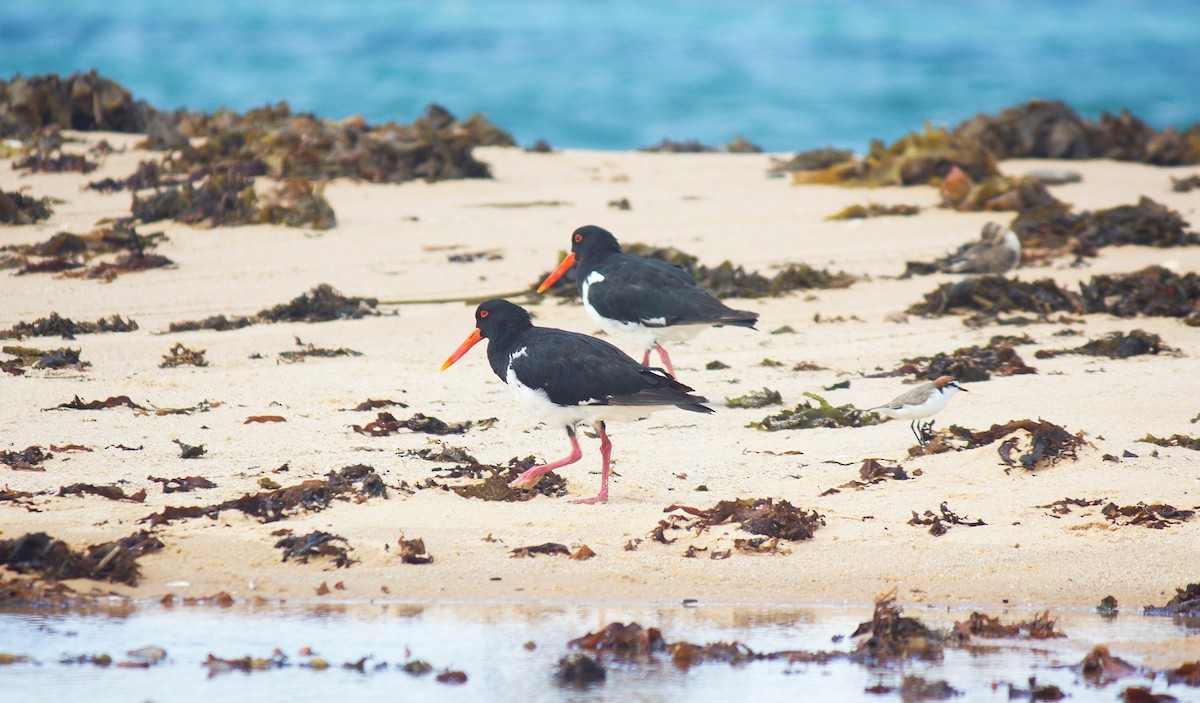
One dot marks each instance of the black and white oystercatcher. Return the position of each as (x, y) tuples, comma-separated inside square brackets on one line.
[(644, 300), (566, 379)]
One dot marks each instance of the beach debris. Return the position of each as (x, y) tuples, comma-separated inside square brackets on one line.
[(467, 257), (1154, 291), (52, 159), (871, 472), (31, 358), (972, 364), (1101, 668), (860, 212), (370, 404), (992, 295), (1045, 445), (297, 202), (807, 415), (112, 492), (918, 158), (1186, 601), (78, 403), (17, 208), (188, 451), (812, 160), (547, 549), (1051, 129), (50, 558), (311, 350), (57, 326), (495, 479), (1175, 440), (179, 355), (995, 193), (321, 304), (28, 459), (578, 669), (890, 636), (226, 198), (1156, 515), (79, 101), (1186, 184), (1108, 606), (314, 544), (444, 453), (1063, 506), (149, 174), (1053, 231), (622, 640), (386, 424), (185, 484), (352, 483), (739, 145), (918, 688), (767, 517), (412, 551), (1116, 345), (1187, 674), (724, 280), (1143, 694), (941, 522), (216, 665), (1041, 627), (64, 252), (755, 399), (18, 592)]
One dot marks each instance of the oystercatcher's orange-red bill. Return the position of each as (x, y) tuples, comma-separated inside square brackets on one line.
[(565, 266), (463, 348)]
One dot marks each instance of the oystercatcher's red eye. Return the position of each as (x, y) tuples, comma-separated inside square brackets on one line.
[(578, 238), (483, 314)]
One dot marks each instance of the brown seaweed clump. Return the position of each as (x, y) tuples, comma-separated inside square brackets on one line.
[(996, 193), (812, 160), (321, 304), (1154, 291), (179, 355), (63, 252), (1053, 230), (939, 523), (739, 145), (65, 327), (82, 101), (1116, 345), (1043, 443), (356, 482), (315, 544), (1041, 627), (992, 295), (763, 516), (1051, 129), (920, 158), (1186, 601), (860, 212), (889, 636), (973, 364), (16, 208), (755, 399), (227, 198), (1156, 515), (50, 558), (1176, 440), (807, 415)]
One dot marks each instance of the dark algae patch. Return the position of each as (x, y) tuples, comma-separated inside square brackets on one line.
[(17, 208), (489, 481), (755, 399), (1116, 345), (766, 517), (973, 364), (28, 459), (314, 544), (1175, 440), (818, 413), (1186, 601), (1156, 515), (939, 523), (57, 326), (321, 304), (386, 424), (352, 483), (39, 553)]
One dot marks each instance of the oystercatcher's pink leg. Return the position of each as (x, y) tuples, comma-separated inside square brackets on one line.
[(605, 453), (662, 352), (529, 478), (646, 358)]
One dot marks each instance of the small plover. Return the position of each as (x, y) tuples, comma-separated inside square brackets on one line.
[(997, 251), (921, 402)]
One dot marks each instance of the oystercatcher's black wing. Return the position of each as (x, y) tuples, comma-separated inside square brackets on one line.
[(655, 293), (575, 369)]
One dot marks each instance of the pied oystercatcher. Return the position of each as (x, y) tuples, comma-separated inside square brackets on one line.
[(644, 300), (921, 402), (566, 379)]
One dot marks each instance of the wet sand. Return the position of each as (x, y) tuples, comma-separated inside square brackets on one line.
[(391, 243)]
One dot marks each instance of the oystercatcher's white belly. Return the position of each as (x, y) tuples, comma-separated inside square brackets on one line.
[(644, 333)]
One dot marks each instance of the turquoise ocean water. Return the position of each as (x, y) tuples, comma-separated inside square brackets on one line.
[(620, 74)]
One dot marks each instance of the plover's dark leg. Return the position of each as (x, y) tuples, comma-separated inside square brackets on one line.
[(913, 426)]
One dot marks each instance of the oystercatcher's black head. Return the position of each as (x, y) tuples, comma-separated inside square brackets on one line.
[(589, 244), (494, 319)]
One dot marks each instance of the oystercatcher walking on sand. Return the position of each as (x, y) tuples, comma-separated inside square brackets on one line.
[(567, 379), (644, 300)]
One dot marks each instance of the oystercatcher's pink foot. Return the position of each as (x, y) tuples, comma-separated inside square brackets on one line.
[(662, 353), (529, 478)]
